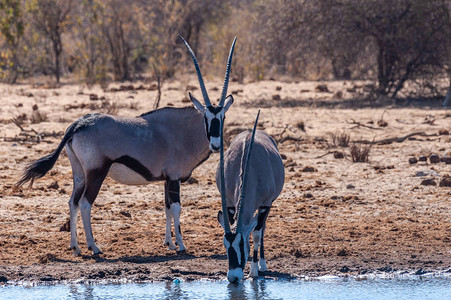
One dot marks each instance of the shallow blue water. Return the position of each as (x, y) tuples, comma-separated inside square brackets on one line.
[(394, 288)]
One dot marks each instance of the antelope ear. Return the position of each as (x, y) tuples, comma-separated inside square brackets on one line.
[(197, 104), (228, 102), (221, 219)]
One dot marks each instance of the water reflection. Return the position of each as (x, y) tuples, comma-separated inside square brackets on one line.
[(174, 291), (255, 290), (81, 292)]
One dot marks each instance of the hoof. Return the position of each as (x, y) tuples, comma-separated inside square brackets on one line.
[(95, 250), (170, 245), (77, 251), (254, 270), (181, 252)]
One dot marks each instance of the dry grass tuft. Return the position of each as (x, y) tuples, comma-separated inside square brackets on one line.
[(360, 152), (340, 139)]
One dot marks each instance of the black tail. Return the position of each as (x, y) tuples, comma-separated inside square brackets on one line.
[(40, 167)]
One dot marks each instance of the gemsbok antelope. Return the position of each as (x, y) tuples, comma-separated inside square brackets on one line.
[(165, 144), (250, 176)]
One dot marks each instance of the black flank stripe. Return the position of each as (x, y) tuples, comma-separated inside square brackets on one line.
[(136, 166)]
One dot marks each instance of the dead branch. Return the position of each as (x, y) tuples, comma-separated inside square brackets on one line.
[(157, 99), (358, 124), (289, 138), (394, 139), (31, 135)]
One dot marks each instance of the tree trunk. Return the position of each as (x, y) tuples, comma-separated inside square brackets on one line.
[(447, 102)]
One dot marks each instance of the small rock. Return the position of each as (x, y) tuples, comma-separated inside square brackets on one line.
[(350, 186), (423, 158), (308, 195), (420, 272), (382, 123), (413, 160), (54, 185), (445, 182), (338, 155), (93, 97), (309, 169), (65, 226), (443, 132), (276, 97), (447, 160), (35, 107), (434, 158), (126, 214), (278, 88), (429, 182), (344, 269), (3, 279), (343, 252), (322, 88), (283, 156), (192, 180)]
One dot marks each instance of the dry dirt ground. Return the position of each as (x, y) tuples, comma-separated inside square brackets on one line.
[(334, 216)]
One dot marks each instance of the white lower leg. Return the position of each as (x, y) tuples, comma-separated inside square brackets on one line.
[(73, 228), (262, 265), (85, 208), (176, 208), (256, 236), (168, 235)]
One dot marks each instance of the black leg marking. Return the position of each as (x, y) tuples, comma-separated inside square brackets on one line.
[(255, 256), (94, 181), (173, 187), (263, 212), (167, 203), (76, 194)]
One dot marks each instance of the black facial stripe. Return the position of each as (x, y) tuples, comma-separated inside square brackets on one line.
[(214, 127), (206, 128), (231, 254), (214, 110)]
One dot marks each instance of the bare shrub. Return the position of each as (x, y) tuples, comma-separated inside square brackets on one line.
[(360, 152), (340, 139)]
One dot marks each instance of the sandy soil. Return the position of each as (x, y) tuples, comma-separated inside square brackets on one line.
[(334, 216)]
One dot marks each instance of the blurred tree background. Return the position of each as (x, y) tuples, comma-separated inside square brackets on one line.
[(389, 42)]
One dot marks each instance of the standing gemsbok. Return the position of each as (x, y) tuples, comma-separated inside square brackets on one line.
[(165, 144), (250, 176)]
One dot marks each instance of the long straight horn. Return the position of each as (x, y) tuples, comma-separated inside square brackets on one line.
[(199, 74), (227, 74), (222, 183), (244, 178)]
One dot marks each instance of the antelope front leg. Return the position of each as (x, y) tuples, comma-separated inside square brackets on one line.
[(167, 209), (175, 207), (257, 236)]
